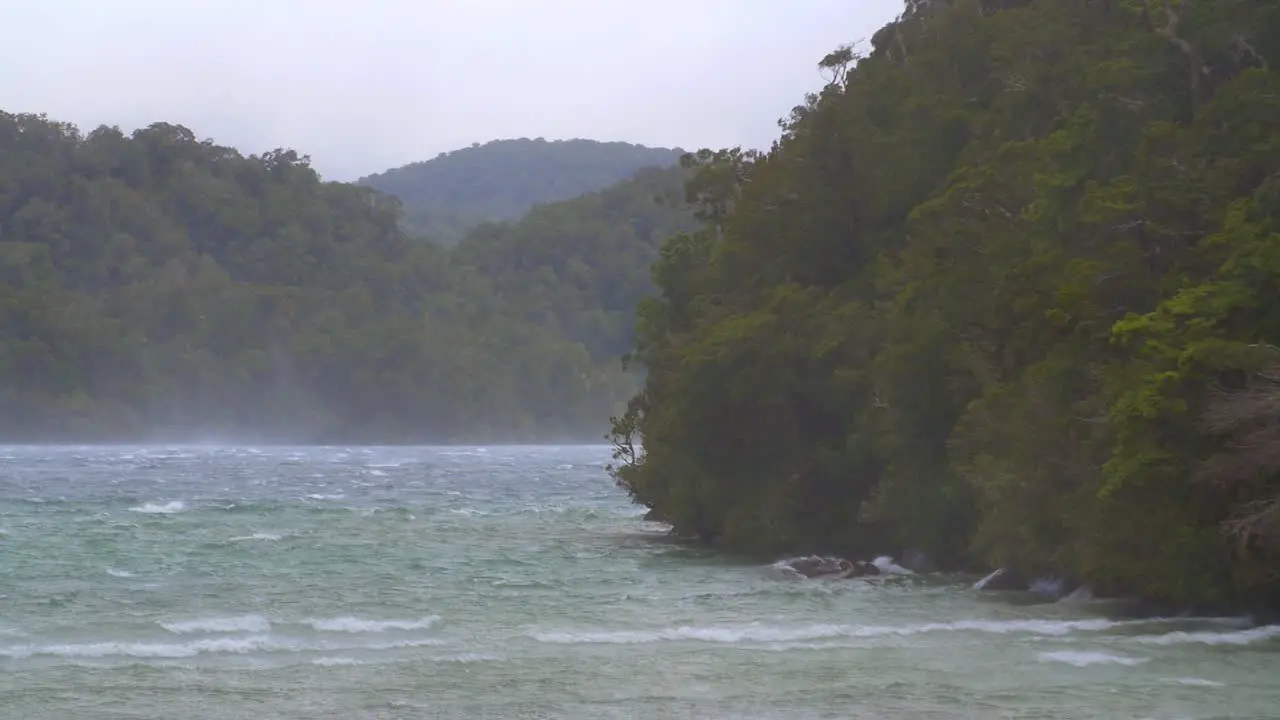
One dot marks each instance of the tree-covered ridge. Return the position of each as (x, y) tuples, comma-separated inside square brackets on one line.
[(1006, 291), (447, 196), (579, 267), (156, 285)]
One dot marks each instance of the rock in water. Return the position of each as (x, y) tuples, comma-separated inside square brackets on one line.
[(862, 568), (813, 566)]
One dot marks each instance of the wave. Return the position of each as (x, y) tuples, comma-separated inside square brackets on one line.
[(152, 508), (259, 624), (244, 623), (347, 661), (402, 644), (350, 624), (1195, 682), (257, 536), (1239, 637), (227, 645), (756, 632), (1085, 658), (336, 661), (234, 645)]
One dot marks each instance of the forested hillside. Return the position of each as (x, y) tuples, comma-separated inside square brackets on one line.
[(154, 285), (578, 268), (1006, 291), (447, 196)]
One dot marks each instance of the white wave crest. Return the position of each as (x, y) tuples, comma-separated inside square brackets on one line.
[(887, 566), (119, 573), (401, 644), (257, 536), (763, 633), (169, 508), (336, 661), (232, 645), (1195, 682), (350, 624), (243, 623), (1085, 658), (1240, 637)]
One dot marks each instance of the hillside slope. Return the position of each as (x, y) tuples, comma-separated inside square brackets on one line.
[(579, 267), (445, 197), (154, 285), (1007, 291)]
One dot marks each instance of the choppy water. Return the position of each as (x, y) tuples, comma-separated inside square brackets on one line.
[(512, 583)]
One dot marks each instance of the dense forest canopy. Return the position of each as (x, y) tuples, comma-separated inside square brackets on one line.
[(1006, 291), (447, 196), (157, 285)]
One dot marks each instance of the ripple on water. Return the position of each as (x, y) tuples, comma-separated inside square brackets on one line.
[(219, 582)]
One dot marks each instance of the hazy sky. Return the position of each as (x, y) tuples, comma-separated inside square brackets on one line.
[(363, 86)]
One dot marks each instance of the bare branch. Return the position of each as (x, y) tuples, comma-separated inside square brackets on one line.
[(1258, 525), (1172, 8), (1244, 48)]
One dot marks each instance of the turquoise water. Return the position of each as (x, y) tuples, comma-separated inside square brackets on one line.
[(513, 582)]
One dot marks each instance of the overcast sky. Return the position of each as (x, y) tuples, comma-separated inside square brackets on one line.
[(363, 86)]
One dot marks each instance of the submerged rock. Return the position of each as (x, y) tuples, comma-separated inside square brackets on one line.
[(1002, 579), (865, 568), (826, 568)]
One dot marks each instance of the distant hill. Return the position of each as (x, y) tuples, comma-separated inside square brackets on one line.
[(577, 268), (157, 287), (500, 181)]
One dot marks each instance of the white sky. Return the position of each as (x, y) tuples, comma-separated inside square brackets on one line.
[(363, 86)]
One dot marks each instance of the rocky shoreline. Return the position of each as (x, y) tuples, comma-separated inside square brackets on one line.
[(1005, 580)]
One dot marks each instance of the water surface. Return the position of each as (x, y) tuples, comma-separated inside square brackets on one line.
[(513, 582)]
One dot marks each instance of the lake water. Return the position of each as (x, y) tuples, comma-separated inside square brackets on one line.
[(513, 582)]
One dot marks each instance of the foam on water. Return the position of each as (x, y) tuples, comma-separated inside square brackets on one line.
[(244, 623), (515, 582), (1238, 637), (1085, 658), (349, 624), (155, 508), (336, 661), (236, 645), (326, 496), (756, 632), (1197, 682), (258, 536)]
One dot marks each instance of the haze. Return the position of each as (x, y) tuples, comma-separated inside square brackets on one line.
[(366, 86)]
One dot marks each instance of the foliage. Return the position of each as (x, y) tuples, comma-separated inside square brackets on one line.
[(990, 295), (155, 285)]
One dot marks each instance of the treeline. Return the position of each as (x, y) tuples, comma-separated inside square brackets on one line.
[(446, 197), (154, 285), (1007, 291)]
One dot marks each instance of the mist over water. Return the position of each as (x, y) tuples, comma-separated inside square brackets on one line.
[(211, 582)]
